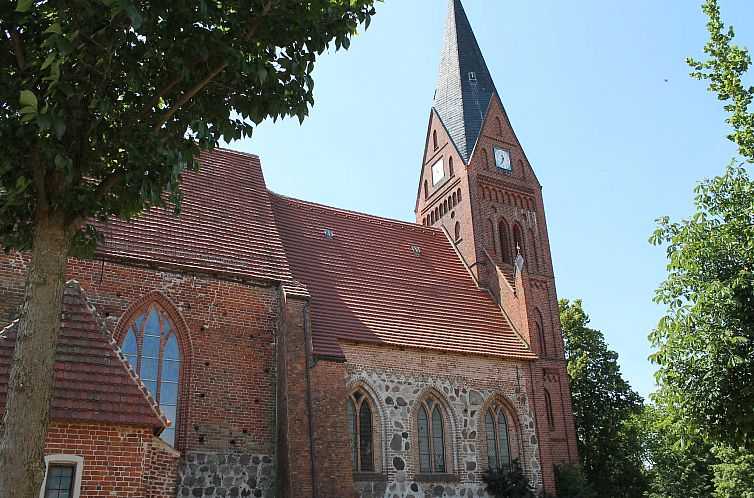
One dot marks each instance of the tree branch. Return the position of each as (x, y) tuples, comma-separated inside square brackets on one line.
[(189, 94), (199, 85), (18, 48)]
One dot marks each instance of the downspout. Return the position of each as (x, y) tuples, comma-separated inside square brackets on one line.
[(309, 365)]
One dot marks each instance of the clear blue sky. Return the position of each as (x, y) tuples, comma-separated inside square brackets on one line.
[(599, 95)]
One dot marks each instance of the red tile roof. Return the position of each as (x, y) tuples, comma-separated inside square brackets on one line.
[(225, 224), (367, 285), (93, 380)]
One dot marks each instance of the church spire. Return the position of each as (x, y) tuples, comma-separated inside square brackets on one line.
[(464, 86)]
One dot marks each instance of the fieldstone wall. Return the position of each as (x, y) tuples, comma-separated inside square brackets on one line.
[(396, 393), (225, 475)]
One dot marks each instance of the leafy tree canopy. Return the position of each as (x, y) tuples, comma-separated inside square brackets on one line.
[(604, 405), (105, 102), (705, 343)]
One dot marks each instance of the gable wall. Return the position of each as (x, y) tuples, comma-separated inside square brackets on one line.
[(226, 431)]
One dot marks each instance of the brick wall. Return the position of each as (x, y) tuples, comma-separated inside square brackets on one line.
[(227, 331), (119, 461), (331, 433)]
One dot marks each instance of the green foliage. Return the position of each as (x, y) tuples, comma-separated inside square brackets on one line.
[(705, 343), (508, 481), (734, 474), (604, 407), (677, 468), (724, 70), (571, 482), (106, 102)]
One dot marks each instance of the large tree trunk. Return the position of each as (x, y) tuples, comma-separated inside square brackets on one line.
[(27, 410)]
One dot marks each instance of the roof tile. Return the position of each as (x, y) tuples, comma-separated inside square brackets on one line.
[(367, 284), (90, 371)]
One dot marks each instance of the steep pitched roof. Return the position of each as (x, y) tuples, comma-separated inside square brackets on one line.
[(93, 380), (225, 224), (367, 285), (464, 87)]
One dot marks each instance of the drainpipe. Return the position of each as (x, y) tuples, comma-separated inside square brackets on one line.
[(309, 365)]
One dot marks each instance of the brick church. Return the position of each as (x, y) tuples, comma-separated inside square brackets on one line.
[(264, 346)]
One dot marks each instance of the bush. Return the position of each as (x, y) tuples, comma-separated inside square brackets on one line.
[(571, 482), (508, 481)]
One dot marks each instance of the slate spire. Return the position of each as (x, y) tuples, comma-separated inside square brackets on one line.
[(464, 86)]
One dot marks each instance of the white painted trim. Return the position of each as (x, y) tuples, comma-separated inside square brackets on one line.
[(74, 459)]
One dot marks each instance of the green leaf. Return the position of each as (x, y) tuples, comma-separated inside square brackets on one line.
[(27, 98), (24, 5)]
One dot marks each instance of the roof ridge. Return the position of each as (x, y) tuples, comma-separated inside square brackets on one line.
[(76, 286), (364, 216)]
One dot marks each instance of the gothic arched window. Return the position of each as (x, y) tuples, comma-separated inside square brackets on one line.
[(152, 349), (496, 431), (362, 437), (505, 248), (548, 409), (431, 434), (450, 167), (457, 231)]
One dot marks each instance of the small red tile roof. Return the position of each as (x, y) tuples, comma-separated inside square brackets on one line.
[(225, 224), (367, 284), (93, 380)]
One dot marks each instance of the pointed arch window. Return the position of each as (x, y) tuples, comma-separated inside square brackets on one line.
[(548, 410), (360, 422), (151, 347), (498, 443), (430, 426)]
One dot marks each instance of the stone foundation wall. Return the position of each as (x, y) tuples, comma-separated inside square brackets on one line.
[(399, 380), (214, 475)]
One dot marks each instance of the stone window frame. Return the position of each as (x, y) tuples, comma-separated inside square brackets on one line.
[(515, 430), (185, 347), (377, 405), (75, 461), (449, 436), (358, 401)]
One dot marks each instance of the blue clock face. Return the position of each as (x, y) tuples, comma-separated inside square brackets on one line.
[(502, 159)]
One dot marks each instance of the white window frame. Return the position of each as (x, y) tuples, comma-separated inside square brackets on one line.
[(76, 460)]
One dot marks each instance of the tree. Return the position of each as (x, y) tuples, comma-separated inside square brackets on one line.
[(677, 468), (734, 473), (705, 343), (604, 404), (103, 105)]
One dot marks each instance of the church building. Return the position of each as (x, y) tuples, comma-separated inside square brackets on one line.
[(258, 345)]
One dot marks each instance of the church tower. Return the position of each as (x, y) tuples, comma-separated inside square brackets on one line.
[(478, 185)]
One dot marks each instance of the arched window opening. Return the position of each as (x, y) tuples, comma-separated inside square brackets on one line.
[(450, 167), (505, 248), (445, 206), (534, 250), (457, 231), (539, 331), (548, 410), (518, 243), (431, 433), (360, 424), (434, 138), (151, 347), (498, 441), (455, 199), (489, 235), (426, 189), (499, 126), (459, 195), (486, 159), (437, 214)]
